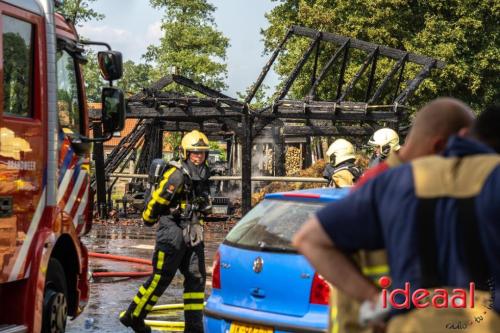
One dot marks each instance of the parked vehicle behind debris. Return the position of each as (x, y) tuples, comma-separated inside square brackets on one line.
[(260, 283)]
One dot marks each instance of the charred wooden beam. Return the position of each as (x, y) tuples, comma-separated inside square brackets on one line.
[(366, 46), (347, 111), (358, 75), (400, 80), (297, 131), (130, 140), (387, 79), (345, 117), (167, 101), (295, 72), (266, 68), (212, 130), (372, 75), (206, 90), (315, 65), (309, 131), (279, 151), (345, 60), (307, 152), (413, 85), (138, 111), (157, 86), (246, 162), (325, 70)]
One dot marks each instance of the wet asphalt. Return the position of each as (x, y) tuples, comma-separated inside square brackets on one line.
[(110, 296)]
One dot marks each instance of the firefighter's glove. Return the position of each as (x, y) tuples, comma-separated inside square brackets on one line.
[(205, 204), (372, 312), (193, 234)]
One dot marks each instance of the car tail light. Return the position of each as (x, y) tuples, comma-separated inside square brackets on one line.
[(216, 271), (320, 291)]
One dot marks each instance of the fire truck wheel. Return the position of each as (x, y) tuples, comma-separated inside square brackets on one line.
[(55, 307)]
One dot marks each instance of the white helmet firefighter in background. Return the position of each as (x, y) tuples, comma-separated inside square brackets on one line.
[(384, 141), (195, 142), (340, 151), (341, 171)]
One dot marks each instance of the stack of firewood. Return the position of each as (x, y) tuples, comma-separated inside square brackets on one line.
[(293, 160), (315, 171)]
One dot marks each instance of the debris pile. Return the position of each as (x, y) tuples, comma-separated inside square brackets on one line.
[(316, 170)]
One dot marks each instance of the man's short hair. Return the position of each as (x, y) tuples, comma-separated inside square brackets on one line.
[(487, 127)]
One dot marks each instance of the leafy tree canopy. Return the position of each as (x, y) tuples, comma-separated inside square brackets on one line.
[(135, 77), (92, 76), (191, 44), (79, 11), (465, 34)]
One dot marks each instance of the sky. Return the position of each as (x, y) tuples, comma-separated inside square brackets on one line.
[(132, 27)]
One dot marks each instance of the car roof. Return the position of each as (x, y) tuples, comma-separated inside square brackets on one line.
[(325, 194)]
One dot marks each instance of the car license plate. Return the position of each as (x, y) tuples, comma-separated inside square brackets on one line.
[(246, 328)]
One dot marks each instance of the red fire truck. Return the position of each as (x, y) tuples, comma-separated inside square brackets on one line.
[(45, 196)]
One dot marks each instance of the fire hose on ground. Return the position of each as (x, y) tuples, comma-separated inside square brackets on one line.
[(164, 309), (166, 324), (122, 259)]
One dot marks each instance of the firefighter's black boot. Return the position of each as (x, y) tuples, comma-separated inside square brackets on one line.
[(194, 322), (193, 269), (137, 324)]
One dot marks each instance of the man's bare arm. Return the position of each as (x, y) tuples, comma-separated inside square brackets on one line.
[(312, 241)]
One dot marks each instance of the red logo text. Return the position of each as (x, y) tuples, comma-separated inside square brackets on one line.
[(423, 298)]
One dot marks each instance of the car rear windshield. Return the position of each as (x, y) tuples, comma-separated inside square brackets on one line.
[(271, 225)]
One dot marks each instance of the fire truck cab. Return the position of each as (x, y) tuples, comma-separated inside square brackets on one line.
[(45, 196)]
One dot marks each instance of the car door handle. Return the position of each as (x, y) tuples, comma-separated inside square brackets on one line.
[(257, 293)]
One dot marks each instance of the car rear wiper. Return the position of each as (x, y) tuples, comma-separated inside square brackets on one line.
[(264, 247)]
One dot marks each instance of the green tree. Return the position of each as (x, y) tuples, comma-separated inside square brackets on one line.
[(191, 44), (79, 11), (16, 64), (135, 77), (92, 76), (260, 99), (174, 139), (464, 34)]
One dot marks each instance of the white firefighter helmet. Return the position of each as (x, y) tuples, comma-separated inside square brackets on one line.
[(342, 149), (194, 141), (385, 138)]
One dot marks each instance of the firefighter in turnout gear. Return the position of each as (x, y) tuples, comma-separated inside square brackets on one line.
[(178, 203), (341, 171)]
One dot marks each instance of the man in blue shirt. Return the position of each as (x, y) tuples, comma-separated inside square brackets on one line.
[(438, 218)]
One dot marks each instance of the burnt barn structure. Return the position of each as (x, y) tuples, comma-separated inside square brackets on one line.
[(355, 108)]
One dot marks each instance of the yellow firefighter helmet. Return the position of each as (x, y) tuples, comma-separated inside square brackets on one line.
[(342, 149), (194, 141)]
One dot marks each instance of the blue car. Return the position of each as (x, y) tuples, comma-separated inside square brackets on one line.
[(260, 283)]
